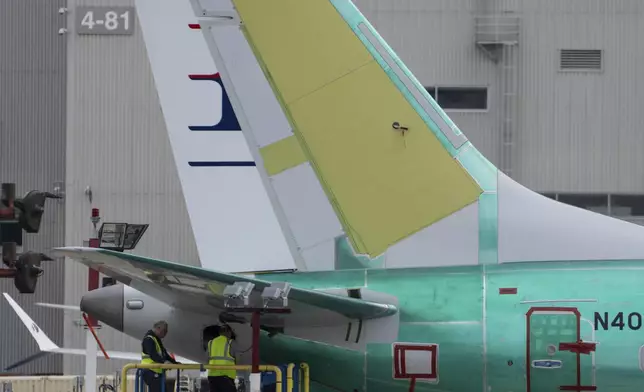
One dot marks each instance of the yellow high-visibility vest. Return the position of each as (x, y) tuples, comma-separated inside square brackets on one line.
[(145, 358), (219, 354)]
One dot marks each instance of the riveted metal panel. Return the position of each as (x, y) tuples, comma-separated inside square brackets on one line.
[(32, 155)]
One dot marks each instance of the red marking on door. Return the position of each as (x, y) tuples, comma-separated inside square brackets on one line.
[(579, 348)]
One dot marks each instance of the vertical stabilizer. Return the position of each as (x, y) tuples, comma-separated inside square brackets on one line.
[(234, 224), (367, 171), (359, 156)]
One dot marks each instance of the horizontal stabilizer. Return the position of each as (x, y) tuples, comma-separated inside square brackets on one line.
[(46, 345), (174, 282)]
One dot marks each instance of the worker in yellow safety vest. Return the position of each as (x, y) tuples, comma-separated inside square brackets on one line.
[(154, 352), (219, 353)]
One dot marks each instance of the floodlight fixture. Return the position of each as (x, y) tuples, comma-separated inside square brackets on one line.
[(120, 236), (276, 294), (238, 292)]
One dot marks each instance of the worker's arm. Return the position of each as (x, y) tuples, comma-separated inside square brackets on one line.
[(150, 348), (169, 358)]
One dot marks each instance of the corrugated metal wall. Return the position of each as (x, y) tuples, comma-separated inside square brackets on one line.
[(582, 131), (574, 131), (117, 145), (32, 154)]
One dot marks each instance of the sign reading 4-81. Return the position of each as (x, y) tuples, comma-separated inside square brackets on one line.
[(105, 20)]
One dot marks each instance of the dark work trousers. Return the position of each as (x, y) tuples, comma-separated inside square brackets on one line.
[(221, 384), (152, 380), (269, 388)]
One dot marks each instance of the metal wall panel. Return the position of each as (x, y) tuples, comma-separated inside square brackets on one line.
[(32, 154), (574, 131), (581, 131), (118, 147)]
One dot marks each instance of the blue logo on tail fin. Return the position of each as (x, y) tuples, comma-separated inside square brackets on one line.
[(228, 120), (228, 123)]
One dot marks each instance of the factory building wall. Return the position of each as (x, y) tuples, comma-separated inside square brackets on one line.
[(117, 147), (581, 131), (32, 155), (576, 129)]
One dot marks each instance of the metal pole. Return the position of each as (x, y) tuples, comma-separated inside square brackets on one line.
[(90, 342), (255, 376), (255, 322)]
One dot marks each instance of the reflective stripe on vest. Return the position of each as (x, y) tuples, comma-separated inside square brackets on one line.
[(226, 352), (219, 354), (145, 358)]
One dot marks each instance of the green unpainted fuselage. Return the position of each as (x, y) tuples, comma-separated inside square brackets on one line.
[(482, 334)]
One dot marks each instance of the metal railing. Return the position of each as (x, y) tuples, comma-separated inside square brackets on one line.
[(305, 378), (304, 381)]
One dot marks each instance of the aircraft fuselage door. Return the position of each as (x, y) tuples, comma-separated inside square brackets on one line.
[(556, 355)]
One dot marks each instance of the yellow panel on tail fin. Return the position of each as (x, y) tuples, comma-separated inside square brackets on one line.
[(282, 155), (288, 32), (384, 186)]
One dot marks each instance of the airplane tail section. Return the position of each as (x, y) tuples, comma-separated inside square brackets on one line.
[(367, 169)]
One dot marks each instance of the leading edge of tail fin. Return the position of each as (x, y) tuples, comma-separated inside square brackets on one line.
[(367, 169), (234, 225)]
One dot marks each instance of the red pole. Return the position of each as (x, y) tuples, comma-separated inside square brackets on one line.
[(255, 325), (92, 282), (87, 320), (412, 384)]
